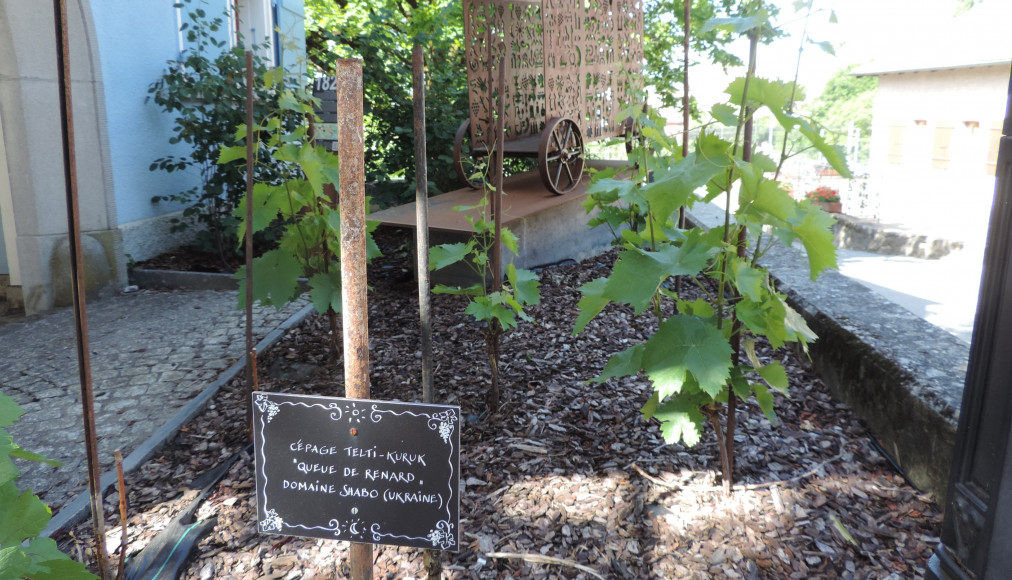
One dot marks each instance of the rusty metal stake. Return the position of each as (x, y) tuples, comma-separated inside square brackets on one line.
[(355, 313), (432, 559), (422, 224), (497, 171), (77, 282), (251, 136), (118, 456)]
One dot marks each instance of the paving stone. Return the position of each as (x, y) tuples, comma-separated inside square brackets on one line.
[(152, 352)]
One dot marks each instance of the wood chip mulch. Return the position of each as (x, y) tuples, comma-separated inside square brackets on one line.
[(566, 480)]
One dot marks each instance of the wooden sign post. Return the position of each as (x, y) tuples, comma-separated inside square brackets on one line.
[(364, 471)]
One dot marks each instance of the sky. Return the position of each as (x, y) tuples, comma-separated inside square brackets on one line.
[(866, 31)]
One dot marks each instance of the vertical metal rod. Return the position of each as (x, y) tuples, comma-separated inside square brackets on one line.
[(497, 171), (77, 281), (422, 224), (355, 313), (251, 139), (118, 456), (432, 559)]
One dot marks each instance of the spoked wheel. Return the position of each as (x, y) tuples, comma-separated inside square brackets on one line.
[(463, 155), (560, 155)]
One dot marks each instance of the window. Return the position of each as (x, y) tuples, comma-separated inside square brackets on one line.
[(896, 144), (940, 147), (255, 21)]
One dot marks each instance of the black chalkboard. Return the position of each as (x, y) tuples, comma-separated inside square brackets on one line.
[(358, 470)]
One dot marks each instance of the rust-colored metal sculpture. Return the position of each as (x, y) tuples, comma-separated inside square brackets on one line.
[(569, 64)]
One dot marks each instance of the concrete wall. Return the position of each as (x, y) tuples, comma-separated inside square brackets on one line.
[(913, 107), (29, 105)]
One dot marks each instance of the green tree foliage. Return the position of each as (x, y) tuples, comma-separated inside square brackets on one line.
[(846, 99), (663, 36), (205, 92), (382, 33), (23, 516)]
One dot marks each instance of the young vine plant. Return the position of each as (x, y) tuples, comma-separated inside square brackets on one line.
[(694, 359), (299, 203), (498, 310)]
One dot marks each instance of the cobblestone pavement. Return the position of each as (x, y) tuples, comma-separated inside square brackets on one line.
[(151, 353)]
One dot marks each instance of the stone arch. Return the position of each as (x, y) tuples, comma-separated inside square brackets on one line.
[(29, 102)]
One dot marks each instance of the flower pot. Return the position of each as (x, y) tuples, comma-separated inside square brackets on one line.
[(829, 206)]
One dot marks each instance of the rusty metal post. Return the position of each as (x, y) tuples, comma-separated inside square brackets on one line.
[(497, 170), (77, 281), (432, 559), (355, 313), (422, 223), (251, 137)]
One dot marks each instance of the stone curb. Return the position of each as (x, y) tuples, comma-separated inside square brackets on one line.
[(182, 280), (79, 508), (853, 233)]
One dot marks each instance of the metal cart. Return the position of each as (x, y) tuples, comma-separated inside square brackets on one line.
[(569, 65)]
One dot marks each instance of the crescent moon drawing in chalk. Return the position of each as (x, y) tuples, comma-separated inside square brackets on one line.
[(352, 530)]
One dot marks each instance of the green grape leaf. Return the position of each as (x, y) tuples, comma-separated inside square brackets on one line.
[(681, 419), (476, 290), (737, 24), (687, 347), (748, 280), (10, 411), (330, 168), (725, 114), (268, 203), (816, 235), (764, 397), (24, 515), (509, 239), (525, 285), (774, 375), (833, 153), (230, 154), (311, 165), (275, 279), (325, 291), (627, 363), (443, 255), (673, 188), (638, 273), (14, 563), (592, 303), (796, 327), (698, 307)]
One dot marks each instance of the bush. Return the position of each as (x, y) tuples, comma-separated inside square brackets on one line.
[(205, 90)]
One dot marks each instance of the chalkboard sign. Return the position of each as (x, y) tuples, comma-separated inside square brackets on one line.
[(358, 470)]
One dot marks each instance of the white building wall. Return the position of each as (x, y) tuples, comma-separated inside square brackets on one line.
[(920, 182)]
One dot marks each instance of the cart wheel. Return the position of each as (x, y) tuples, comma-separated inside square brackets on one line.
[(560, 155), (461, 151)]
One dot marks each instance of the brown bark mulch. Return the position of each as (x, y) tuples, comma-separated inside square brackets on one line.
[(566, 480)]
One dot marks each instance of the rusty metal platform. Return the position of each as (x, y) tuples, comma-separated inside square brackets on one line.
[(525, 195), (549, 228)]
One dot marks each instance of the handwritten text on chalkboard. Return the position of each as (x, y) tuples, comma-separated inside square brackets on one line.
[(357, 470)]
